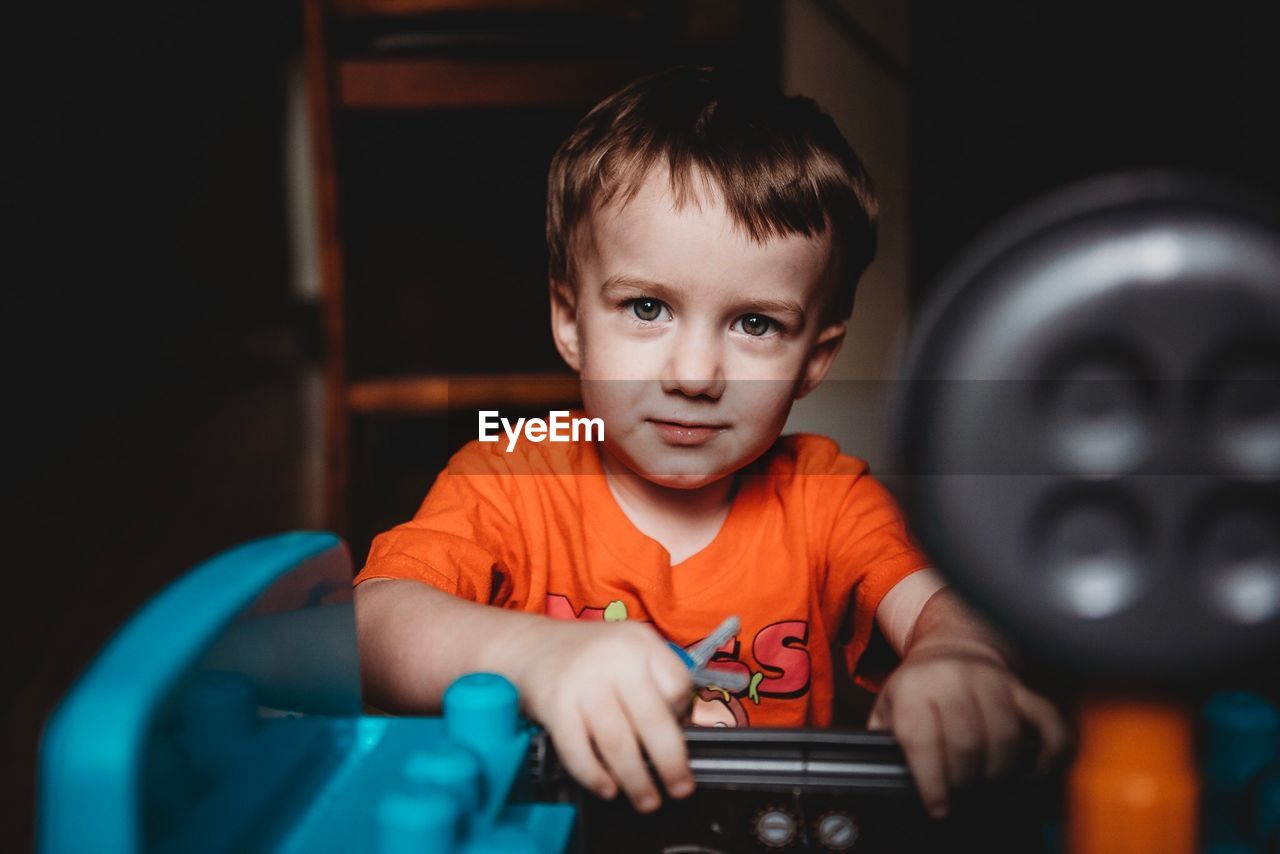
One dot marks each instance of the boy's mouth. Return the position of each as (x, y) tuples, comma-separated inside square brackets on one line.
[(687, 433)]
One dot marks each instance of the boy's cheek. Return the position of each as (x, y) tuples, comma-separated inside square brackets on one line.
[(609, 356)]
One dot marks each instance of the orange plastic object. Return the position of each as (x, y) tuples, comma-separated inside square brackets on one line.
[(1133, 788)]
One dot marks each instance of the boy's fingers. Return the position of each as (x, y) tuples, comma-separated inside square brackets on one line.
[(616, 745), (1003, 731), (1045, 718), (663, 741), (672, 679), (920, 735), (574, 750), (881, 713), (963, 735)]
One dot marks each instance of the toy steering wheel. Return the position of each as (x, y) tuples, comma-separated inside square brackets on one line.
[(1090, 428), (1089, 431)]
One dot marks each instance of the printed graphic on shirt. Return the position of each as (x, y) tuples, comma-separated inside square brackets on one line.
[(714, 707), (779, 650)]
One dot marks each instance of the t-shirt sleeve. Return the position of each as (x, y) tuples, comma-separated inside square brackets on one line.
[(869, 550), (464, 539)]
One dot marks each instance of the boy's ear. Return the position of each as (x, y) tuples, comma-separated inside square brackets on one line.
[(821, 355), (564, 324)]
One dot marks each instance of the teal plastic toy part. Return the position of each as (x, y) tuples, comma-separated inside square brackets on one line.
[(226, 716), (1240, 759)]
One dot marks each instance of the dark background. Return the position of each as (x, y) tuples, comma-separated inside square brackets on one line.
[(152, 347), (1014, 99)]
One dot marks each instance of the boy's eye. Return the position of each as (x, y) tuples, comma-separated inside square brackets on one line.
[(646, 309), (756, 324)]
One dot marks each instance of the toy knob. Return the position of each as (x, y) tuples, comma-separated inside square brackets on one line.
[(504, 840), (414, 823), (480, 710), (446, 766)]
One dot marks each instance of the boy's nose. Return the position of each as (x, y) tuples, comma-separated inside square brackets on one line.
[(693, 368)]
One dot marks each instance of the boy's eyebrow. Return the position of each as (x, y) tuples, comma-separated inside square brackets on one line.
[(623, 282), (764, 305), (772, 306)]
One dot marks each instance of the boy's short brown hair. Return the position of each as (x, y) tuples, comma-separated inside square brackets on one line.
[(780, 162)]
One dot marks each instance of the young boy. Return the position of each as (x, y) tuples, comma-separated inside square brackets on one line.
[(705, 243)]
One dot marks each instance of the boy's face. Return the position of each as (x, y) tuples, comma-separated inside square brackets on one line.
[(692, 341)]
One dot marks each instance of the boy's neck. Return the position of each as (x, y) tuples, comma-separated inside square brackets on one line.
[(682, 520), (638, 491)]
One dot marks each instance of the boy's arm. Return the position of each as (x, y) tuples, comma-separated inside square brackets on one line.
[(415, 640), (900, 608), (605, 691), (954, 702)]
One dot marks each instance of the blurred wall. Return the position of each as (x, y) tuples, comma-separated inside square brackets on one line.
[(150, 350), (851, 57)]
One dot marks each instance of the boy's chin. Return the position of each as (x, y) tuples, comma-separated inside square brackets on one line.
[(683, 481), (676, 478), (670, 471)]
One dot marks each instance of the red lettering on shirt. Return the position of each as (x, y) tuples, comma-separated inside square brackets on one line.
[(779, 650), (560, 608)]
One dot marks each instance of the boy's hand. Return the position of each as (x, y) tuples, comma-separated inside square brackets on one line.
[(610, 694), (959, 715)]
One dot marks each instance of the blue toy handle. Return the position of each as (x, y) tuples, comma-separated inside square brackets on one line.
[(684, 656), (274, 614)]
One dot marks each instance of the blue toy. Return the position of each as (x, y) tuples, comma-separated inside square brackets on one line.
[(1241, 765), (226, 716)]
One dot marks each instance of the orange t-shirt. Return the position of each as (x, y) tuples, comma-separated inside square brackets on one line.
[(810, 546)]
